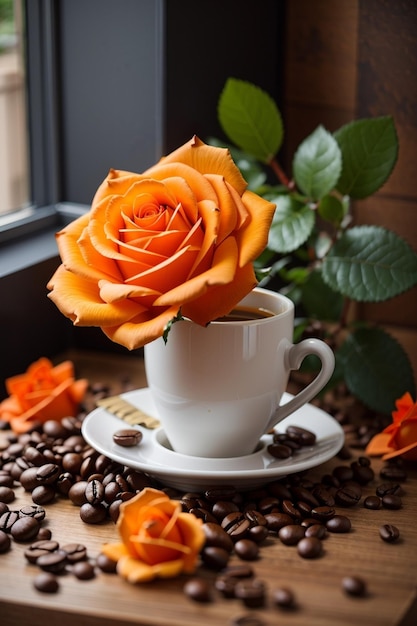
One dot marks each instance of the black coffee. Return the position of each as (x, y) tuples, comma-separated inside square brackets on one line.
[(245, 314)]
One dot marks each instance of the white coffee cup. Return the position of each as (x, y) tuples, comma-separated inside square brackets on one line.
[(217, 389)]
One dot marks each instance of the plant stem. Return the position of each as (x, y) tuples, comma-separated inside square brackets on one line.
[(281, 175)]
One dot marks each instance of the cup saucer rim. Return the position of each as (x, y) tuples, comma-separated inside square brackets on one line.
[(178, 470)]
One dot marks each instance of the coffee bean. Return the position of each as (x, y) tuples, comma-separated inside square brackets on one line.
[(77, 493), (316, 530), (247, 550), (215, 557), (363, 474), (248, 620), (258, 533), (239, 571), (275, 521), (354, 586), (348, 495), (36, 511), (217, 536), (304, 436), (391, 501), (283, 597), (251, 591), (48, 474), (75, 552), (372, 502), (290, 535), (105, 564), (7, 495), (388, 488), (394, 473), (198, 589), (389, 533), (339, 524), (83, 570), (7, 520), (343, 473), (4, 542), (309, 547), (43, 534), (221, 508), (52, 562), (127, 437), (225, 585), (25, 529), (279, 451), (92, 513), (94, 492), (46, 582), (323, 513), (43, 494)]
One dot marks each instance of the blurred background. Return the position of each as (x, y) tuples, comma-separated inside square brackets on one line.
[(86, 85)]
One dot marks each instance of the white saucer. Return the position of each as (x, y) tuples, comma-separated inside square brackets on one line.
[(155, 457)]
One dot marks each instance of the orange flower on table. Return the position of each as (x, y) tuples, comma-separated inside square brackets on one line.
[(179, 238), (158, 539), (42, 393), (400, 437)]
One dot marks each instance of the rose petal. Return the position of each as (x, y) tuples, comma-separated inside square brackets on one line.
[(80, 300), (254, 237), (409, 452), (379, 444), (208, 160), (142, 329)]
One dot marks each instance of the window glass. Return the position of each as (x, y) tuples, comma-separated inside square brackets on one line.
[(14, 192)]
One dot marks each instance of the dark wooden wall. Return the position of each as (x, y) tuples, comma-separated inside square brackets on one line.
[(351, 59)]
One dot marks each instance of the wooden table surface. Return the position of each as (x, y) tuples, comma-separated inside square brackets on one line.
[(389, 569)]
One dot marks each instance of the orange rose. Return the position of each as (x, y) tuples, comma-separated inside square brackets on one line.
[(158, 539), (42, 393), (182, 236), (400, 437)]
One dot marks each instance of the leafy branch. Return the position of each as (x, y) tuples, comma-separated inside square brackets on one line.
[(315, 253)]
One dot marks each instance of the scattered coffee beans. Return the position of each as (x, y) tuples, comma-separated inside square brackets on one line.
[(46, 582), (198, 589), (283, 597), (309, 547), (127, 437), (354, 586), (389, 533)]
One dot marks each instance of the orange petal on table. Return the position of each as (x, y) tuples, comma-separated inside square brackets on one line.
[(379, 444), (80, 300), (141, 330), (253, 238), (221, 299), (62, 371), (408, 452), (208, 160), (222, 271), (114, 551), (135, 571), (58, 404), (193, 537)]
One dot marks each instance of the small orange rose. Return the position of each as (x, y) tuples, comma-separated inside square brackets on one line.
[(181, 236), (43, 392), (400, 437), (158, 539)]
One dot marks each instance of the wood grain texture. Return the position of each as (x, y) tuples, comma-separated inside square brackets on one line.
[(107, 600)]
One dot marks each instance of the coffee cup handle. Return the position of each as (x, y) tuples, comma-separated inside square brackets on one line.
[(294, 356)]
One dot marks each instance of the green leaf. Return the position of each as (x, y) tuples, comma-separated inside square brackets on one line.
[(376, 368), (291, 226), (331, 209), (251, 119), (177, 318), (317, 164), (369, 153), (319, 300), (370, 264)]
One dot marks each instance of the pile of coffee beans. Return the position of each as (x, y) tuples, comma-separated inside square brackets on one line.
[(53, 461)]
